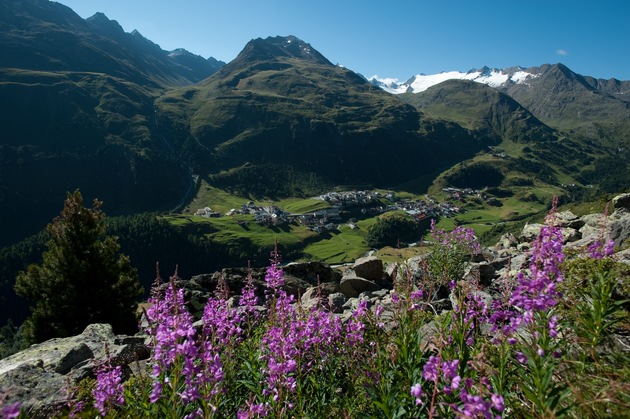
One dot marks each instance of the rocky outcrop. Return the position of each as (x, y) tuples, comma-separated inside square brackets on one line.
[(42, 377)]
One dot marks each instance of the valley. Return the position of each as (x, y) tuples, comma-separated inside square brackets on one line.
[(157, 135)]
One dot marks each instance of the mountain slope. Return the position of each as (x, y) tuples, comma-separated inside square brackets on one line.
[(481, 109), (281, 106), (47, 36), (76, 107), (593, 109)]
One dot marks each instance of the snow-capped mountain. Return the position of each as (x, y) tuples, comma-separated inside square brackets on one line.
[(491, 76)]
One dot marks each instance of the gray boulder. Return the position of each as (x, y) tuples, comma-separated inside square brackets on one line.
[(312, 272), (42, 376), (567, 219), (619, 227), (351, 286), (336, 302), (370, 268), (621, 202)]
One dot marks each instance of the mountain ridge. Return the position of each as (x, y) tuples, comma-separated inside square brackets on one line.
[(493, 77), (80, 96), (280, 101)]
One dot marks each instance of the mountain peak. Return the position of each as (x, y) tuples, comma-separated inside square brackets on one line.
[(101, 21), (281, 47)]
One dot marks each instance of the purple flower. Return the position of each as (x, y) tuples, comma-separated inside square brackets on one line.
[(253, 411), (274, 277), (416, 391), (460, 238), (594, 250), (455, 382), (430, 369), (296, 342), (520, 357), (475, 406), (416, 295), (497, 402), (609, 248), (156, 392), (170, 325), (553, 325), (11, 411), (449, 369), (108, 391), (536, 291)]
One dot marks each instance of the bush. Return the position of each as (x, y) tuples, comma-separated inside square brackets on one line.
[(476, 175), (392, 230)]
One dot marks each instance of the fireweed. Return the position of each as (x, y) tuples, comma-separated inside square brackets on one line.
[(451, 252), (528, 323), (409, 357)]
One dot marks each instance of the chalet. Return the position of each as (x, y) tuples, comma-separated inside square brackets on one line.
[(207, 213)]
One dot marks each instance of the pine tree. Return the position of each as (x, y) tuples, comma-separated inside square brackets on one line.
[(82, 278)]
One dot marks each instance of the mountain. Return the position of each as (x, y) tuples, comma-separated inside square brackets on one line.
[(86, 105), (490, 76), (47, 36), (83, 104), (486, 111), (280, 119), (595, 109), (588, 107), (76, 107)]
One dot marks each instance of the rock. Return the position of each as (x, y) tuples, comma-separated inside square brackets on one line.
[(623, 256), (74, 356), (621, 202), (298, 278), (530, 232), (295, 286), (39, 376), (506, 241), (619, 227), (499, 262), (370, 268), (336, 302), (417, 266), (352, 286), (312, 272), (312, 297), (391, 269), (598, 227), (568, 219), (40, 392), (570, 234), (482, 271), (594, 226), (485, 255), (353, 303)]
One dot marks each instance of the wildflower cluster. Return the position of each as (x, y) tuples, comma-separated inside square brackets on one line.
[(108, 392), (452, 251), (444, 382), (407, 356)]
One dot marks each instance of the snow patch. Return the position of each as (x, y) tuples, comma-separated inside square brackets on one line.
[(421, 82)]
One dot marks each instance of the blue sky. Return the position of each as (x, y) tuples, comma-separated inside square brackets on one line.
[(394, 38)]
